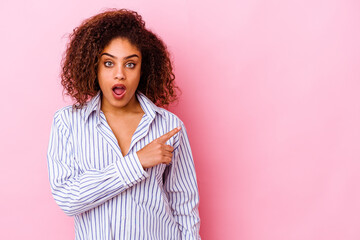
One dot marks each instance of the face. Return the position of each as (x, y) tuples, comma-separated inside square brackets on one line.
[(118, 74)]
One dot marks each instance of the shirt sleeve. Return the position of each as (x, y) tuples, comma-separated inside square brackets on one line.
[(182, 190), (77, 191)]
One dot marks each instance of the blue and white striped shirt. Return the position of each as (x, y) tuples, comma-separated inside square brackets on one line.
[(110, 195)]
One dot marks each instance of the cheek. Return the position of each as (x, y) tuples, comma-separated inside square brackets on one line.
[(139, 73), (103, 76), (102, 81), (137, 79)]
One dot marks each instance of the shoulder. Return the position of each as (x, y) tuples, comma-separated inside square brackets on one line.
[(171, 121), (68, 114), (162, 114), (65, 111), (169, 117)]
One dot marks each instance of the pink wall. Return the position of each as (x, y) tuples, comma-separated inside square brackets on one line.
[(270, 100)]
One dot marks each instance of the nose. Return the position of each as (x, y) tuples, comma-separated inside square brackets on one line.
[(119, 73)]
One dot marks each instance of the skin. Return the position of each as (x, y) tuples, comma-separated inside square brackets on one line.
[(120, 63)]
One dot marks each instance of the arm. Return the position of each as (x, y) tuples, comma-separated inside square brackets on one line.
[(77, 191), (181, 187)]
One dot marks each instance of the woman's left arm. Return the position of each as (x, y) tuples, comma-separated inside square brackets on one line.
[(181, 187)]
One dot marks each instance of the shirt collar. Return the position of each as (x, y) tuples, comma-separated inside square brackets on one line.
[(146, 104), (93, 105)]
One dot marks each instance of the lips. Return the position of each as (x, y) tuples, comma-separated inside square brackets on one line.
[(119, 90)]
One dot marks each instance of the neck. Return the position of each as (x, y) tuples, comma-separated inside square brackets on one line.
[(132, 107)]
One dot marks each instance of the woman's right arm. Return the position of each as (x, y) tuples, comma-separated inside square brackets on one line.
[(77, 191)]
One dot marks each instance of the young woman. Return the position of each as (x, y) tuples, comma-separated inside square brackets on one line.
[(118, 162)]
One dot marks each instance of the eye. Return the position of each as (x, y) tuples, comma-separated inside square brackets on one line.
[(130, 65), (108, 64)]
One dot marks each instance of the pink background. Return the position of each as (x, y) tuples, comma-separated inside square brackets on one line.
[(270, 100)]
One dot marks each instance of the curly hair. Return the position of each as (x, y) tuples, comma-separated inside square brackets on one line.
[(79, 64)]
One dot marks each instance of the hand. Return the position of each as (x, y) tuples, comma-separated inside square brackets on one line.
[(157, 151)]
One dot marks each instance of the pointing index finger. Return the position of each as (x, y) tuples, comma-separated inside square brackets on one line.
[(168, 135)]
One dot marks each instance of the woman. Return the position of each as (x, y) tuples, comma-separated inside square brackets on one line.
[(118, 162)]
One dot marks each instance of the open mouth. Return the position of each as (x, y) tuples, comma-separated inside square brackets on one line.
[(118, 90)]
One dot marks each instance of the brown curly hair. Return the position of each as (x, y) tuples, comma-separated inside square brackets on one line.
[(79, 64)]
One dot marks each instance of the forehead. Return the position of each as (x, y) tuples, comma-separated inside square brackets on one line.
[(121, 47)]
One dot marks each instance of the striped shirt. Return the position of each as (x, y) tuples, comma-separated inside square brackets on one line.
[(110, 195)]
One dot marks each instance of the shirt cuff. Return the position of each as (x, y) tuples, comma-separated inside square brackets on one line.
[(130, 170)]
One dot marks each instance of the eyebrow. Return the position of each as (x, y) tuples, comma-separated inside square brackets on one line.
[(127, 57)]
